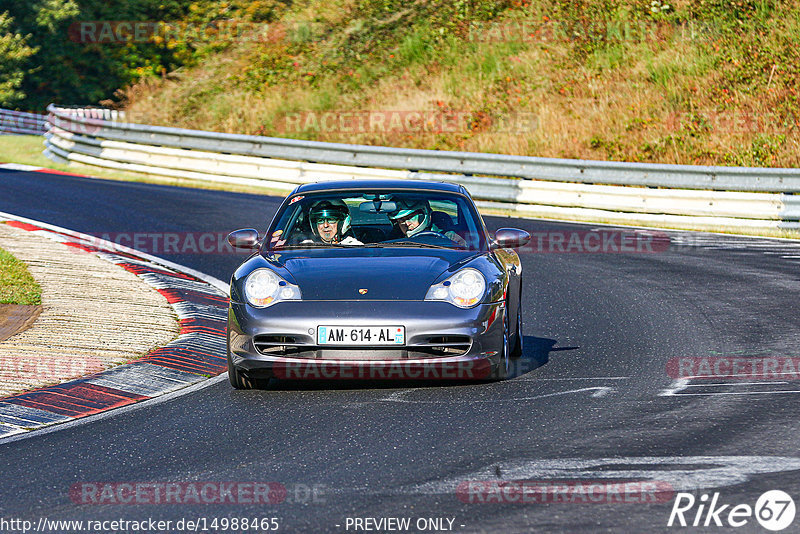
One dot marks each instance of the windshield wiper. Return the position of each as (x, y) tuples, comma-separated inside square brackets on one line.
[(411, 244), (313, 245)]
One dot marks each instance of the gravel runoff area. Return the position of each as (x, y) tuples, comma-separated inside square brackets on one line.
[(94, 315)]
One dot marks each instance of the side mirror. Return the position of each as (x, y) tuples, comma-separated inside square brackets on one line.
[(246, 238), (510, 238)]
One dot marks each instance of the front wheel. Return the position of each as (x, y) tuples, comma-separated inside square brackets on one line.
[(516, 352), (504, 365), (241, 381), (237, 379)]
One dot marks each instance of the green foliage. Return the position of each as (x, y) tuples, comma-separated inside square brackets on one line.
[(762, 152), (647, 60), (416, 47), (14, 51), (55, 62), (50, 13)]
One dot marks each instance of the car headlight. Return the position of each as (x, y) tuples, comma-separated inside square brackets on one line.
[(264, 288), (464, 289)]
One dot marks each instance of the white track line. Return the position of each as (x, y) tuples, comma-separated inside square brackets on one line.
[(115, 411)]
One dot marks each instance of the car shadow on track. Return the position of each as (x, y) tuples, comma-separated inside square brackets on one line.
[(535, 353)]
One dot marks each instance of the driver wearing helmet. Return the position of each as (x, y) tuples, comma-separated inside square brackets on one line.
[(413, 216), (330, 224)]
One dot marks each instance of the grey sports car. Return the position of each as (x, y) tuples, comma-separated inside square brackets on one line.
[(375, 279)]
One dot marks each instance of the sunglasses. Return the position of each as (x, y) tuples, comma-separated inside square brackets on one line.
[(328, 220)]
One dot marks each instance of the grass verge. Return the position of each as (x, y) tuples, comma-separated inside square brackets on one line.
[(27, 150), (17, 286)]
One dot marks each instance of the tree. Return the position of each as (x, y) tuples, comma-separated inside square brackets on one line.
[(14, 52), (60, 66)]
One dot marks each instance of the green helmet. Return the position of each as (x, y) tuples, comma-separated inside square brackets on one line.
[(419, 208), (335, 209)]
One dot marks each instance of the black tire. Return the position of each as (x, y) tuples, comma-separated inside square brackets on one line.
[(504, 365), (516, 351), (237, 379)]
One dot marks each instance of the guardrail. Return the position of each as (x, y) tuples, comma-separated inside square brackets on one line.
[(678, 195), (20, 122)]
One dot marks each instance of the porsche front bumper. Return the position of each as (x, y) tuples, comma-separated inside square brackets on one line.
[(441, 340)]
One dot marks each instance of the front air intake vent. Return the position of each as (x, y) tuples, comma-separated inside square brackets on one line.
[(269, 344), (446, 345)]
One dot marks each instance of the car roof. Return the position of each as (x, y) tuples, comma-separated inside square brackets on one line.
[(411, 185)]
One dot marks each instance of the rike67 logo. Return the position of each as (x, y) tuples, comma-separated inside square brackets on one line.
[(774, 510)]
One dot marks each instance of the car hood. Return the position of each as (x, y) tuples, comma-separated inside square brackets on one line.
[(386, 274)]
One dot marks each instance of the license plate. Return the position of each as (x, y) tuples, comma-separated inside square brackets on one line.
[(361, 335)]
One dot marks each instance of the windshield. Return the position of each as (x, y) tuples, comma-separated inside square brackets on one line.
[(377, 219)]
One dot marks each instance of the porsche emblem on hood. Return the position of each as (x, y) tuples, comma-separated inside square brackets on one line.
[(362, 291)]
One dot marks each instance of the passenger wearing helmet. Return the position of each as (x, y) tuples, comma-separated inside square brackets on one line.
[(413, 216), (330, 223)]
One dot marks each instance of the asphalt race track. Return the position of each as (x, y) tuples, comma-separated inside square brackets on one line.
[(592, 400)]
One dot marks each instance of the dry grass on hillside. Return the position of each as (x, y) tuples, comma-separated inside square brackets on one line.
[(672, 99)]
